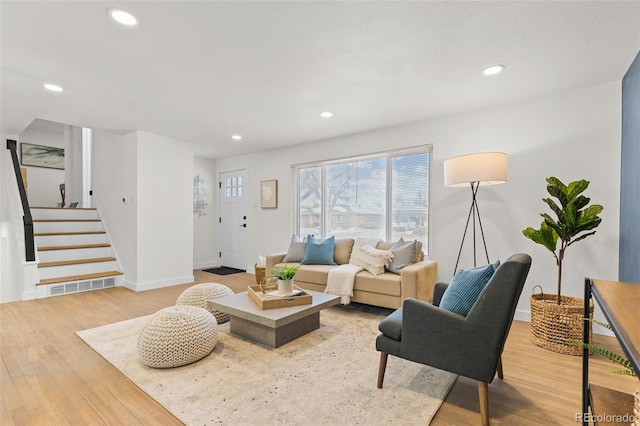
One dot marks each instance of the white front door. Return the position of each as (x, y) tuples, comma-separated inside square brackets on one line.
[(233, 219)]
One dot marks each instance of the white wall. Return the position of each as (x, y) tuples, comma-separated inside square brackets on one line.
[(205, 226), (570, 135), (44, 183), (165, 211), (11, 260), (72, 137), (116, 177), (143, 189)]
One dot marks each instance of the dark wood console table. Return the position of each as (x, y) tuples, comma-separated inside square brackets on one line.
[(620, 303)]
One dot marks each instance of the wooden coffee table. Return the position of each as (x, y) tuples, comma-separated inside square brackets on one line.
[(272, 327)]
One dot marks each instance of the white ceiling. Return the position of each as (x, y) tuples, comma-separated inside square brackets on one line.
[(202, 71)]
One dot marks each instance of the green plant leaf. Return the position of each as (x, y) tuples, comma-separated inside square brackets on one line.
[(576, 188), (545, 236), (558, 227), (612, 356), (592, 211), (570, 219), (556, 209), (580, 201), (557, 189)]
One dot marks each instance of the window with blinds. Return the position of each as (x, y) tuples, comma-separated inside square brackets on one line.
[(385, 195)]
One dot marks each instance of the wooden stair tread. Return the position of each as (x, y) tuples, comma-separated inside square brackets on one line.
[(67, 220), (80, 246), (76, 262), (62, 208), (53, 234), (79, 277)]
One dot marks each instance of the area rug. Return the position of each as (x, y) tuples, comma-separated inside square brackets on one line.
[(325, 377), (224, 270)]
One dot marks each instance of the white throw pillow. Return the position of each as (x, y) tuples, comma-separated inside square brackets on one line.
[(371, 259)]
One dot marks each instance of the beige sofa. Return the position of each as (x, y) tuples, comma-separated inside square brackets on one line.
[(387, 290)]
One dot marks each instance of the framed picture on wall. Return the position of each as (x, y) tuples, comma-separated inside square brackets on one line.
[(269, 194), (42, 156)]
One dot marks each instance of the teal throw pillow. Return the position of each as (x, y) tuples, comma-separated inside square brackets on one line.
[(319, 253), (465, 287)]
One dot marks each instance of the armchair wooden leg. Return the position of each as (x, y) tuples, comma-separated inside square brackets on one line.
[(483, 394), (500, 373), (383, 367)]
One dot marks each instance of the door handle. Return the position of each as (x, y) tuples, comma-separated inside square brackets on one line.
[(244, 225)]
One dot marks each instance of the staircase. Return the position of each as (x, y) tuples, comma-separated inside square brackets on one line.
[(74, 251)]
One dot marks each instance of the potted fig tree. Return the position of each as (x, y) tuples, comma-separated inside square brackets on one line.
[(557, 318)]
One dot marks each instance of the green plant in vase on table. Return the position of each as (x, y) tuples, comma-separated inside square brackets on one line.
[(285, 273)]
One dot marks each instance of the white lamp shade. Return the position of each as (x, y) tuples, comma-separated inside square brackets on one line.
[(486, 168)]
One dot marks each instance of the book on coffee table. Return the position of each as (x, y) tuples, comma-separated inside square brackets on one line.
[(274, 299), (284, 295)]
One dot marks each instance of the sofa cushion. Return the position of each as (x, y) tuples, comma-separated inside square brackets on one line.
[(296, 251), (465, 287), (371, 259), (388, 284), (385, 245), (319, 253), (314, 274), (404, 253), (342, 250)]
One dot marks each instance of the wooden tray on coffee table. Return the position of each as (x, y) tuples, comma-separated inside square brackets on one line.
[(267, 302)]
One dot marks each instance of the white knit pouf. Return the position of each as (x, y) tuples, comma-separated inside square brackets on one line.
[(177, 335), (199, 294)]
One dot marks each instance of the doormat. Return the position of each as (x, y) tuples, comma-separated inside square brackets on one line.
[(224, 270)]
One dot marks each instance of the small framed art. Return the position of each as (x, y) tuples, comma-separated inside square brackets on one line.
[(269, 194)]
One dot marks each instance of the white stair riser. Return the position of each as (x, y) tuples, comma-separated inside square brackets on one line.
[(86, 253), (70, 240), (80, 269), (64, 214), (41, 227)]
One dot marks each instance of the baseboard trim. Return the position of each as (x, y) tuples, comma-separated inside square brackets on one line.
[(521, 315), (157, 284), (206, 265), (29, 295)]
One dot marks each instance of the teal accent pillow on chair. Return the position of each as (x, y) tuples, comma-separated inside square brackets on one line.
[(465, 287), (319, 253)]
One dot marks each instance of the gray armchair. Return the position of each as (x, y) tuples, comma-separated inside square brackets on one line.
[(469, 346)]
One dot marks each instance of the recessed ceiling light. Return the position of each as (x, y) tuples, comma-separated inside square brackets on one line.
[(236, 137), (122, 17), (493, 69), (326, 114), (52, 87)]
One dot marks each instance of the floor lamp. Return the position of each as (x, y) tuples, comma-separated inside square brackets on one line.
[(475, 170)]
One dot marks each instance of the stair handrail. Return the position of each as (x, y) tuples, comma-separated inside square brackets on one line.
[(27, 220)]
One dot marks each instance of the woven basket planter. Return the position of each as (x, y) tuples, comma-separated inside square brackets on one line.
[(260, 272), (552, 323)]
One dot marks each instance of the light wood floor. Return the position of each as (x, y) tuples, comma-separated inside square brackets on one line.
[(49, 376)]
